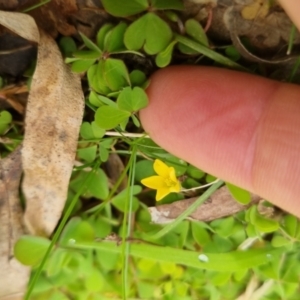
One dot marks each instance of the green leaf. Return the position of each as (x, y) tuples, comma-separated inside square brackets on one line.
[(240, 195), (102, 33), (290, 225), (200, 234), (194, 172), (67, 45), (108, 117), (178, 164), (135, 121), (94, 99), (115, 74), (30, 250), (143, 169), (114, 38), (121, 199), (104, 154), (94, 282), (220, 279), (208, 52), (84, 54), (137, 78), (118, 9), (69, 60), (223, 227), (149, 31), (195, 30), (5, 120), (96, 80), (97, 131), (168, 4), (57, 261), (88, 154), (77, 231), (86, 131), (132, 100), (261, 223), (279, 241), (107, 101), (107, 260), (232, 53), (164, 58), (102, 228), (98, 184), (90, 44), (80, 66)]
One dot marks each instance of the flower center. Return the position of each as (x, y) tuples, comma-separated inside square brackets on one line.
[(169, 182)]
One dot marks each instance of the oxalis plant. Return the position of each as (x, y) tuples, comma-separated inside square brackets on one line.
[(106, 246)]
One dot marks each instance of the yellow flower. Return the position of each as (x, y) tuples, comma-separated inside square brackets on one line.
[(166, 181)]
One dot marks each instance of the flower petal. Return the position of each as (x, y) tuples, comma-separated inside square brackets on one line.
[(154, 182), (172, 174), (161, 168), (161, 193)]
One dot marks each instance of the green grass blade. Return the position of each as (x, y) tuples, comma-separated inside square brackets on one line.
[(58, 232), (188, 211), (126, 225), (291, 39), (223, 262), (209, 53)]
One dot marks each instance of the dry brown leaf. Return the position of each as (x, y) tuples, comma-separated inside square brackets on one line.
[(54, 16), (13, 275), (219, 205), (53, 118)]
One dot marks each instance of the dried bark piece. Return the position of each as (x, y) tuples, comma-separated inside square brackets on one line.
[(13, 275), (220, 204), (53, 117)]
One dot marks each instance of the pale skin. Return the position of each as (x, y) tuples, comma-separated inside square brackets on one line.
[(241, 128)]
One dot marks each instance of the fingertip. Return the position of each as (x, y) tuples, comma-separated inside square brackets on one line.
[(223, 122)]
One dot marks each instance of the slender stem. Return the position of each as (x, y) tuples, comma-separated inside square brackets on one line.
[(127, 134), (200, 187), (188, 211)]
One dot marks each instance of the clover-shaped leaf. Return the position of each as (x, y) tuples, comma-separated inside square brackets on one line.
[(30, 250), (115, 74), (195, 30), (102, 34), (114, 38), (149, 31), (108, 117), (82, 65), (118, 8), (96, 80), (137, 78), (132, 99), (240, 195), (261, 223), (164, 58)]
